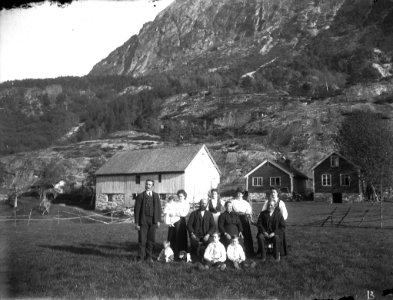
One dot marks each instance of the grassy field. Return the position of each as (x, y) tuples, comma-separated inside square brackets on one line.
[(69, 259)]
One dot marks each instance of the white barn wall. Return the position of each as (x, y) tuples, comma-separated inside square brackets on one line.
[(201, 175), (116, 184)]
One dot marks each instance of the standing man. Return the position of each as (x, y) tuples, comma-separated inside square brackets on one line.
[(147, 214)]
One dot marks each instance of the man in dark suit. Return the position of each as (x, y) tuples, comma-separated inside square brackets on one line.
[(201, 228), (147, 214), (271, 229)]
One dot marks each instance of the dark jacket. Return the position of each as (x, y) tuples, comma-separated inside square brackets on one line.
[(201, 226), (269, 224), (139, 209), (229, 223), (274, 223), (213, 210)]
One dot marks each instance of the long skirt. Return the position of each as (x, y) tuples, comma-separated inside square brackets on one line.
[(248, 243), (177, 235)]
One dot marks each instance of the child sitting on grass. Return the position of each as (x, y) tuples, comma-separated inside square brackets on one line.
[(215, 254), (166, 254), (236, 255)]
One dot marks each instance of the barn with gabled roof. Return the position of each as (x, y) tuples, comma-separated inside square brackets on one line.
[(191, 168)]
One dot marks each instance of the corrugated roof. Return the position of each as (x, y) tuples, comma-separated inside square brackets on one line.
[(174, 159)]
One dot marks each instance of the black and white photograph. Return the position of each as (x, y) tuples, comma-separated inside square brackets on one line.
[(196, 149)]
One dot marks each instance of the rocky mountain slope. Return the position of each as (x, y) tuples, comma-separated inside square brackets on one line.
[(252, 79), (319, 45)]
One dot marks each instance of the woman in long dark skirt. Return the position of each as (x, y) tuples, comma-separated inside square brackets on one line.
[(244, 211), (177, 233)]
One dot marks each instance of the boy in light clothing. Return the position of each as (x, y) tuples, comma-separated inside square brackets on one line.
[(215, 254), (166, 254), (236, 255)]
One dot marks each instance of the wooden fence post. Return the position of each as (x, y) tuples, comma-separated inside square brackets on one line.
[(28, 222), (58, 217), (361, 221), (15, 216)]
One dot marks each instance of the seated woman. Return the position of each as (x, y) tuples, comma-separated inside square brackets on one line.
[(271, 229), (229, 225)]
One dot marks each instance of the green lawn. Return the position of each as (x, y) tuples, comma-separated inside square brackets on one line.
[(92, 260)]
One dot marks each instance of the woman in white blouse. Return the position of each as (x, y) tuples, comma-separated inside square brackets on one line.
[(177, 234), (244, 211), (279, 203)]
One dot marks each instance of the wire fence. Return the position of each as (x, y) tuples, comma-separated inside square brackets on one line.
[(75, 214)]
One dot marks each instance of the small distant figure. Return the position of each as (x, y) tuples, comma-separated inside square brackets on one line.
[(236, 255), (166, 255), (215, 254)]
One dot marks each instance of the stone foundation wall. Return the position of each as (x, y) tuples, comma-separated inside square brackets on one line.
[(352, 198), (257, 197), (117, 202), (347, 197), (323, 197)]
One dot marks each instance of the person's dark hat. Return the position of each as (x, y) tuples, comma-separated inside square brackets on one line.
[(240, 189)]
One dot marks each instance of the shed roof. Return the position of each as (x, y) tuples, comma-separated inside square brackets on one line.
[(154, 160), (285, 168)]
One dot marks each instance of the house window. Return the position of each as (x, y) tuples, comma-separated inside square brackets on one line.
[(334, 161), (138, 179), (326, 180), (159, 177), (345, 180), (257, 181), (275, 181)]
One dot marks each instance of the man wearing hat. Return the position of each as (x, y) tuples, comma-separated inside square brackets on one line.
[(244, 211)]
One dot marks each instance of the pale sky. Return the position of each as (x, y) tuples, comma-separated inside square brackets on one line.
[(48, 41)]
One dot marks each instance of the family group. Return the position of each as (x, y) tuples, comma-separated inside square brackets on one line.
[(218, 232)]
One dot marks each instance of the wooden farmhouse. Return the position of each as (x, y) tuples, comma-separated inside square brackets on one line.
[(275, 174), (191, 168), (336, 179)]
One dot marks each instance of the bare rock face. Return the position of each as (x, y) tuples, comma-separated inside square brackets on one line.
[(219, 29)]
